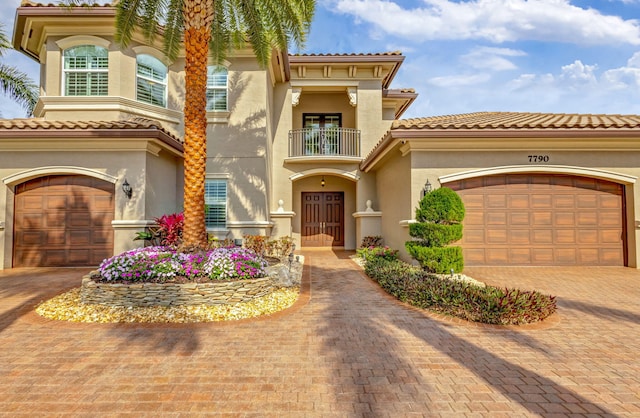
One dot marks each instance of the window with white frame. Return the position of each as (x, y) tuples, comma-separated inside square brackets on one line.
[(217, 88), (86, 71), (215, 202), (151, 83)]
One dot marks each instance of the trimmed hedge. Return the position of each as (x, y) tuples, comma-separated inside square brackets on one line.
[(439, 260), (442, 205), (489, 304), (435, 235)]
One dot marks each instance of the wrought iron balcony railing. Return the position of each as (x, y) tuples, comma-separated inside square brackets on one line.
[(341, 142)]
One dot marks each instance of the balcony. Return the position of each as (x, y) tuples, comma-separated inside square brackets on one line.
[(325, 143)]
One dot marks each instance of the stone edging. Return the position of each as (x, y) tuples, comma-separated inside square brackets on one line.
[(173, 294)]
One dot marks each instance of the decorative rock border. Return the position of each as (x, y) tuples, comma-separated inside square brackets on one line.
[(173, 294)]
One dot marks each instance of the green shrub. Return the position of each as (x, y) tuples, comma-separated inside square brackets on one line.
[(436, 259), (438, 217), (377, 252), (442, 205), (489, 304), (435, 235)]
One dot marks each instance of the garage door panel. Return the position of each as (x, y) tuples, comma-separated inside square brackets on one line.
[(496, 236), (588, 236), (541, 201), (519, 219), (496, 201), (55, 237), (542, 237), (586, 219), (609, 219), (587, 202), (539, 219), (520, 255), (520, 237), (548, 220), (564, 236), (76, 219), (564, 202), (63, 221), (566, 256), (496, 218), (474, 236), (542, 256), (497, 255)]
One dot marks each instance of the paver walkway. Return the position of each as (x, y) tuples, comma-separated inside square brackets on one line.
[(347, 350)]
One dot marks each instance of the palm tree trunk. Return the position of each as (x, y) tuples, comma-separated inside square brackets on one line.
[(198, 17)]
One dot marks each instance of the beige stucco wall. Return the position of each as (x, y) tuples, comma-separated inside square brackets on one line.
[(394, 197), (237, 149)]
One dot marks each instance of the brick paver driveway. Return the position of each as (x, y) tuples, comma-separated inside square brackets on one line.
[(345, 350)]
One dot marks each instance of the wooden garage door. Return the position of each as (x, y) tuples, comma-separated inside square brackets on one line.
[(63, 221), (541, 219)]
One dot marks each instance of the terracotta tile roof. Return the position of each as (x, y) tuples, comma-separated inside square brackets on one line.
[(54, 125), (516, 120), (372, 54)]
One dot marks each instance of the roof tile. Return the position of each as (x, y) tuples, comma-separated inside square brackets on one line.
[(517, 120), (43, 124)]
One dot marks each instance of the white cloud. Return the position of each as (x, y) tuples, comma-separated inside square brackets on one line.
[(494, 20), (578, 74), (491, 58), (459, 80)]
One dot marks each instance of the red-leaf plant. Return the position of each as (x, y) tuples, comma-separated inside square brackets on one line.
[(170, 228)]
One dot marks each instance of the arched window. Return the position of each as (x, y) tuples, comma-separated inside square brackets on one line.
[(217, 88), (86, 71), (151, 81)]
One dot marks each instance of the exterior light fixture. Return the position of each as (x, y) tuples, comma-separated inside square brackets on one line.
[(127, 189), (426, 189), (322, 182)]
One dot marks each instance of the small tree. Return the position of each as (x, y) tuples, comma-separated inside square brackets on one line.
[(439, 216)]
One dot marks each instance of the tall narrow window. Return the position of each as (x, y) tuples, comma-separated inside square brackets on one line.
[(217, 88), (215, 201), (86, 71), (151, 81)]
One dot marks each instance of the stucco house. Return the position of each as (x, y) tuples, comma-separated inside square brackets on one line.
[(311, 147)]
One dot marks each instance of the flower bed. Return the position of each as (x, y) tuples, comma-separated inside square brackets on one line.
[(163, 276), (166, 264), (173, 294)]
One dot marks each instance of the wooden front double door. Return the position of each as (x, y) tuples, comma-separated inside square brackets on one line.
[(322, 219)]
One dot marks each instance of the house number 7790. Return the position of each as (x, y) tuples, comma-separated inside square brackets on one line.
[(538, 158)]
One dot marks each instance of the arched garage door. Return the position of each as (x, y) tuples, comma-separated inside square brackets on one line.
[(542, 220), (63, 220)]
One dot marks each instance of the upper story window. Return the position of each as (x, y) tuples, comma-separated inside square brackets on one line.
[(217, 88), (151, 80), (86, 71)]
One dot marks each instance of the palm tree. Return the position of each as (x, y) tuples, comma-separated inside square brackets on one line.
[(207, 27), (14, 83)]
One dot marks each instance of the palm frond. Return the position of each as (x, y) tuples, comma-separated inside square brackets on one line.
[(174, 29), (127, 19), (19, 87)]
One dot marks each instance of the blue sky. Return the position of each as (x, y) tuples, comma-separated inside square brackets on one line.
[(484, 55)]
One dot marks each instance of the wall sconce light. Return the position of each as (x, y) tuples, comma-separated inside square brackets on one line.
[(322, 183), (127, 189), (426, 189)]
